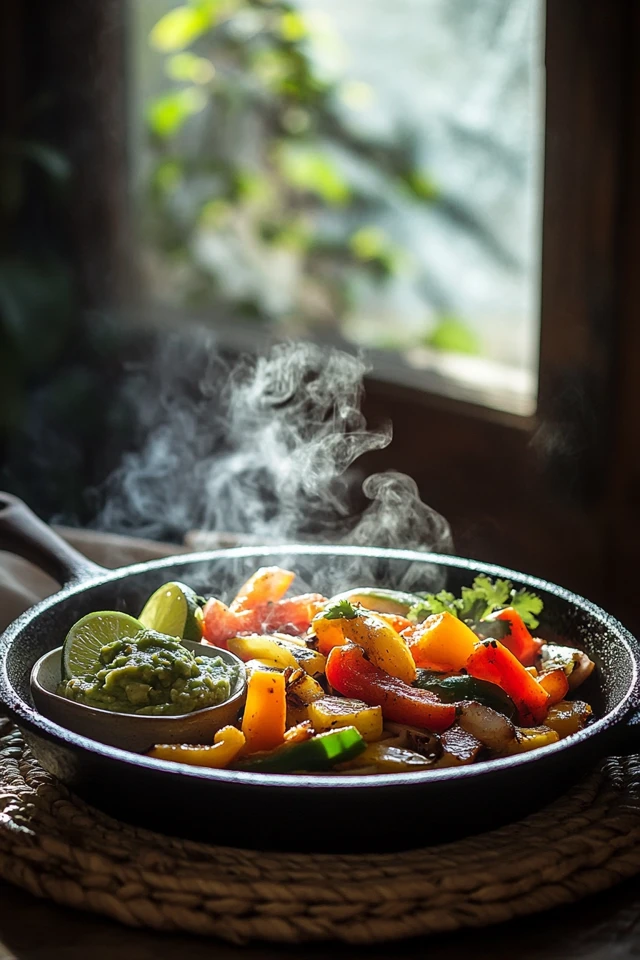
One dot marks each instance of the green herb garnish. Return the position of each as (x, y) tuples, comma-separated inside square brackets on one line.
[(475, 603), (340, 610)]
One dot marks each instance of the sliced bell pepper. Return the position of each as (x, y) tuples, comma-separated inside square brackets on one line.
[(293, 613), (227, 744), (266, 585), (351, 675), (265, 711), (556, 683), (568, 717), (396, 621), (296, 613), (442, 641), (452, 689), (492, 661), (384, 645), (277, 650), (320, 753), (519, 641)]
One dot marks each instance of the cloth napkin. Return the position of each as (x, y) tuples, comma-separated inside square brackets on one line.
[(22, 584)]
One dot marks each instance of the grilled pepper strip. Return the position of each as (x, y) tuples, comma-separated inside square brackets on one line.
[(266, 585), (493, 662), (452, 689), (351, 675), (227, 744), (384, 645), (519, 641), (263, 723), (320, 753)]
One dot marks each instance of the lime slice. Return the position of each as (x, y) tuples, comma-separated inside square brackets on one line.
[(174, 610), (81, 649)]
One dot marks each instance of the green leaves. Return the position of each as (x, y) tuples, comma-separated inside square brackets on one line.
[(483, 598), (433, 603), (454, 336), (309, 170), (340, 610), (475, 603), (528, 606), (182, 25), (188, 67), (168, 113)]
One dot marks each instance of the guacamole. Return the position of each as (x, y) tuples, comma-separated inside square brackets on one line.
[(153, 674)]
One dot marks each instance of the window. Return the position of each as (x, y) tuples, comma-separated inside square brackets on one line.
[(365, 173), (553, 491)]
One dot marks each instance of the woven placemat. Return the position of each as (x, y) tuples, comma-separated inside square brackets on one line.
[(55, 846)]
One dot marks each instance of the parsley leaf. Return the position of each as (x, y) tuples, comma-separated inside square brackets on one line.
[(528, 606), (340, 610), (433, 603)]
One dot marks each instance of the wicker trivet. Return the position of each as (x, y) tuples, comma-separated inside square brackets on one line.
[(55, 846)]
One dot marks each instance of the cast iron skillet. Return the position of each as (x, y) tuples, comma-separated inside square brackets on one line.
[(303, 812)]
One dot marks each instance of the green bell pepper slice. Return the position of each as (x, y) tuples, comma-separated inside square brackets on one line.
[(454, 689), (322, 752)]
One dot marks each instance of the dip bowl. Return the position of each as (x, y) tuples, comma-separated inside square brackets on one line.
[(131, 731)]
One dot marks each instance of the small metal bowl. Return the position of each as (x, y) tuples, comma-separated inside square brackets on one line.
[(131, 731)]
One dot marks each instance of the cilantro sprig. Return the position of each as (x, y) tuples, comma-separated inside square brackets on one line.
[(475, 603), (340, 610)]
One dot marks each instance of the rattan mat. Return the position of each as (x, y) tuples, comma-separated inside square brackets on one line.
[(55, 846)]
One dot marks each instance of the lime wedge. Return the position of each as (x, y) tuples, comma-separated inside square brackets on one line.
[(81, 649), (174, 610)]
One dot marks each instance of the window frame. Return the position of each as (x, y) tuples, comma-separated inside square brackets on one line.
[(536, 492)]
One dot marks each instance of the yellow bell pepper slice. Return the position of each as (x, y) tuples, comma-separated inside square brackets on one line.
[(442, 642), (327, 713), (384, 645), (280, 651), (265, 711), (227, 744)]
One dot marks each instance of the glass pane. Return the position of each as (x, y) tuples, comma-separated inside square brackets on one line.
[(363, 172)]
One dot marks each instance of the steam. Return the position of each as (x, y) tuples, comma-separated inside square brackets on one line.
[(266, 448)]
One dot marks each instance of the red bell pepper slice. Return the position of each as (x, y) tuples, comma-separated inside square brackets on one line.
[(293, 615), (352, 675), (492, 661), (519, 641)]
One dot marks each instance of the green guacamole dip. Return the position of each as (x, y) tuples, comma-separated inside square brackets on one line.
[(152, 674)]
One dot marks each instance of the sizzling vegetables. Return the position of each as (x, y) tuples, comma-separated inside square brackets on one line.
[(380, 681)]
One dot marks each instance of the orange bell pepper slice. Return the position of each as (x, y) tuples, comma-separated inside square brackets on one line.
[(351, 675), (442, 642), (266, 585), (492, 661), (556, 683), (265, 711)]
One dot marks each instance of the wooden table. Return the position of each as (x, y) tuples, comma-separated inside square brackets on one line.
[(603, 927)]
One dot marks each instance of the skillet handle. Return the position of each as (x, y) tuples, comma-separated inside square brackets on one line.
[(23, 533)]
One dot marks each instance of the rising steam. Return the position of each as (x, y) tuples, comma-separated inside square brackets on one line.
[(265, 448)]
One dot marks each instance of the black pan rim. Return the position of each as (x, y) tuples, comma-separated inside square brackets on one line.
[(29, 719)]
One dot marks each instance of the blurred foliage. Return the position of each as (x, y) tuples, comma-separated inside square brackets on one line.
[(454, 336), (263, 193)]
